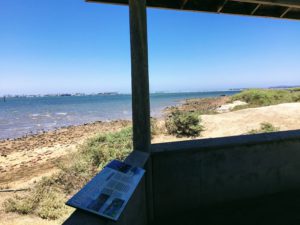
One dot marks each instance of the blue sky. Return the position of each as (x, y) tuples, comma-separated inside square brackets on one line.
[(55, 46)]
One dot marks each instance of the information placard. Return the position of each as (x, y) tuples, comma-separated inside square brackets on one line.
[(109, 191)]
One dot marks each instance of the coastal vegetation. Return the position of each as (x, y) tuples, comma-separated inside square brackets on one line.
[(183, 124), (266, 97), (48, 196), (156, 128), (265, 128), (201, 106)]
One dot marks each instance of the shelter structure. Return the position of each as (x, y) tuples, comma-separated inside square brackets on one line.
[(191, 176)]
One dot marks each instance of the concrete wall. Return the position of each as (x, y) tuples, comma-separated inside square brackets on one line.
[(188, 175)]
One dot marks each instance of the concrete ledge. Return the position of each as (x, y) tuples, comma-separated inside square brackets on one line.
[(135, 212), (224, 142), (193, 174)]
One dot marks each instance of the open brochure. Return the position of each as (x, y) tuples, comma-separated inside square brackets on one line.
[(109, 191)]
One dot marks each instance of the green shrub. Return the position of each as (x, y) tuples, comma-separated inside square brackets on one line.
[(262, 97), (104, 148), (92, 156), (51, 206), (265, 97), (47, 198), (182, 123), (44, 200), (296, 96), (265, 128), (73, 176), (297, 89), (154, 127), (157, 127)]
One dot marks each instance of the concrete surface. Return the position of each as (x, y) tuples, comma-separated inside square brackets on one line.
[(201, 173)]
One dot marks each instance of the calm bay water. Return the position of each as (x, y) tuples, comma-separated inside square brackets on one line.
[(20, 116)]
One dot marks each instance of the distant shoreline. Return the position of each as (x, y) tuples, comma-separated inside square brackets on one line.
[(111, 94), (33, 116)]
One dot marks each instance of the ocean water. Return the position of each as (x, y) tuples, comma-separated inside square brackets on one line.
[(21, 116)]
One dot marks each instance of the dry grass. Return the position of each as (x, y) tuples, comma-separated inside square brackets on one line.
[(264, 128), (47, 198)]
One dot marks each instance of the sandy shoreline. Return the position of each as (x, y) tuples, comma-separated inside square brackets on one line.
[(28, 157), (24, 161)]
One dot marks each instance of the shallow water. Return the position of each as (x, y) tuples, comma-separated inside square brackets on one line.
[(21, 116)]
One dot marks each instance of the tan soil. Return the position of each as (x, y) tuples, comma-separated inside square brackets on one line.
[(283, 116), (24, 160), (16, 219)]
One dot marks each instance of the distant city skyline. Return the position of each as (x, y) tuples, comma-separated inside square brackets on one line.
[(155, 92), (70, 46)]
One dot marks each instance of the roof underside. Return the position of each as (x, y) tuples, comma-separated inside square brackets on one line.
[(285, 9)]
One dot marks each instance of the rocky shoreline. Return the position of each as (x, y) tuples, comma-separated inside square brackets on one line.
[(28, 157), (64, 136), (34, 154), (201, 105), (23, 161)]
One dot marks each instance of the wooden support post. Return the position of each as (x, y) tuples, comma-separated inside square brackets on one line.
[(139, 75), (140, 91)]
